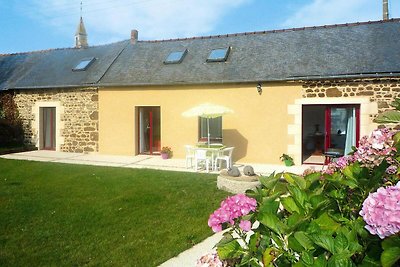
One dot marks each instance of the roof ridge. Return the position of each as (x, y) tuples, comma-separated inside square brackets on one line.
[(57, 49), (274, 31), (218, 35), (36, 51)]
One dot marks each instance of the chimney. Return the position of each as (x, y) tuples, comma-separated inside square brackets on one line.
[(385, 10), (134, 36)]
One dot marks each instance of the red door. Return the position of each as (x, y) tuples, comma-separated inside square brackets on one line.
[(149, 130)]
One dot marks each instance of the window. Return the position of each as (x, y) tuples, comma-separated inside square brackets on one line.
[(219, 55), (84, 64), (175, 57), (215, 129)]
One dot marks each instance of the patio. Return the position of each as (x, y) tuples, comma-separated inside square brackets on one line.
[(140, 161)]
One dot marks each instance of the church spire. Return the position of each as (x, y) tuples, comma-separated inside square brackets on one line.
[(81, 35)]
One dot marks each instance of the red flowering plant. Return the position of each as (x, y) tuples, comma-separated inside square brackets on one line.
[(346, 215)]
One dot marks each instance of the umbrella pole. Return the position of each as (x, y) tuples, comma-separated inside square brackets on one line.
[(208, 131)]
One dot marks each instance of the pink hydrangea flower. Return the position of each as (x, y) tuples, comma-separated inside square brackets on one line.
[(371, 151), (377, 147), (381, 211), (210, 260), (245, 225), (391, 169), (231, 208), (339, 164)]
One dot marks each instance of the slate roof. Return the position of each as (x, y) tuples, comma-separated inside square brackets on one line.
[(363, 48), (349, 50), (53, 68)]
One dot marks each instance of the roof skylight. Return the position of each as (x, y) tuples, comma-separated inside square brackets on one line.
[(84, 64), (175, 57), (219, 55)]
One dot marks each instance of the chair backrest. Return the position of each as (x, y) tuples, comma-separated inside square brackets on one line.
[(189, 150), (200, 154), (228, 151)]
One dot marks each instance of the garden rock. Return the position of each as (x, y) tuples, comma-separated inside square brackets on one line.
[(248, 170), (234, 172)]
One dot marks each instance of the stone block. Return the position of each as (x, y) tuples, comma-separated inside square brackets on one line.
[(89, 129), (333, 92), (94, 115), (365, 93), (88, 149), (237, 186), (94, 136)]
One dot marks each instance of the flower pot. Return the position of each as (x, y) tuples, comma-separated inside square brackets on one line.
[(164, 155)]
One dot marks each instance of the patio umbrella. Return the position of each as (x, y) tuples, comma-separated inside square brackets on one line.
[(208, 111)]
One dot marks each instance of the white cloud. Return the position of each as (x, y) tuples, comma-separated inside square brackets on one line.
[(113, 20), (323, 12)]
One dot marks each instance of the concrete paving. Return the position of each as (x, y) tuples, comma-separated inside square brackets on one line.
[(139, 161), (188, 257)]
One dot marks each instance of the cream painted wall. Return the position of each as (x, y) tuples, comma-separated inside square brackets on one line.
[(258, 128)]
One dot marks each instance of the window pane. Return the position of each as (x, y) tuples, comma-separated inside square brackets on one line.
[(339, 118), (215, 129), (175, 57), (218, 55), (83, 64)]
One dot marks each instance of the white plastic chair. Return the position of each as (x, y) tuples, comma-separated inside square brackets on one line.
[(189, 155), (224, 155), (200, 155)]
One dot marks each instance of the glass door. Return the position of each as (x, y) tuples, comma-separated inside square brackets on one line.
[(149, 130), (48, 128), (328, 128), (342, 130)]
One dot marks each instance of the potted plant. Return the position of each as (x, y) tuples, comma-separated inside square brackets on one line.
[(288, 160), (166, 152)]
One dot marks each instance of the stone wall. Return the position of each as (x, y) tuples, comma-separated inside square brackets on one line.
[(382, 91), (78, 116)]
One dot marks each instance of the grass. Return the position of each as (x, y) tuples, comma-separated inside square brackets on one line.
[(72, 215)]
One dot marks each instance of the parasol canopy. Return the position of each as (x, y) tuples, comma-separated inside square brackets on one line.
[(208, 111)]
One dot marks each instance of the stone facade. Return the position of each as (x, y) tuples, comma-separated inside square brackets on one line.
[(77, 116), (382, 91)]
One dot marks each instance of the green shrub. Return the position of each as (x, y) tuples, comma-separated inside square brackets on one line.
[(11, 130), (346, 215)]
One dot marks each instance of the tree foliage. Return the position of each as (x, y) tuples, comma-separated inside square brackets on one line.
[(11, 130)]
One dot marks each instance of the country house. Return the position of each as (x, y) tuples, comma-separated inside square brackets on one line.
[(297, 91)]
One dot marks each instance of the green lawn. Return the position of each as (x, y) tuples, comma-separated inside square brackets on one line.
[(73, 215)]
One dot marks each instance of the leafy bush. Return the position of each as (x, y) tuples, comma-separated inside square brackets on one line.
[(346, 215), (8, 108), (11, 130)]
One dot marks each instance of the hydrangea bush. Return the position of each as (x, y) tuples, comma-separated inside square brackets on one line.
[(381, 211), (210, 260), (346, 215), (232, 208)]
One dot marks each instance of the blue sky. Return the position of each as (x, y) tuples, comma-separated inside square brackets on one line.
[(30, 25)]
